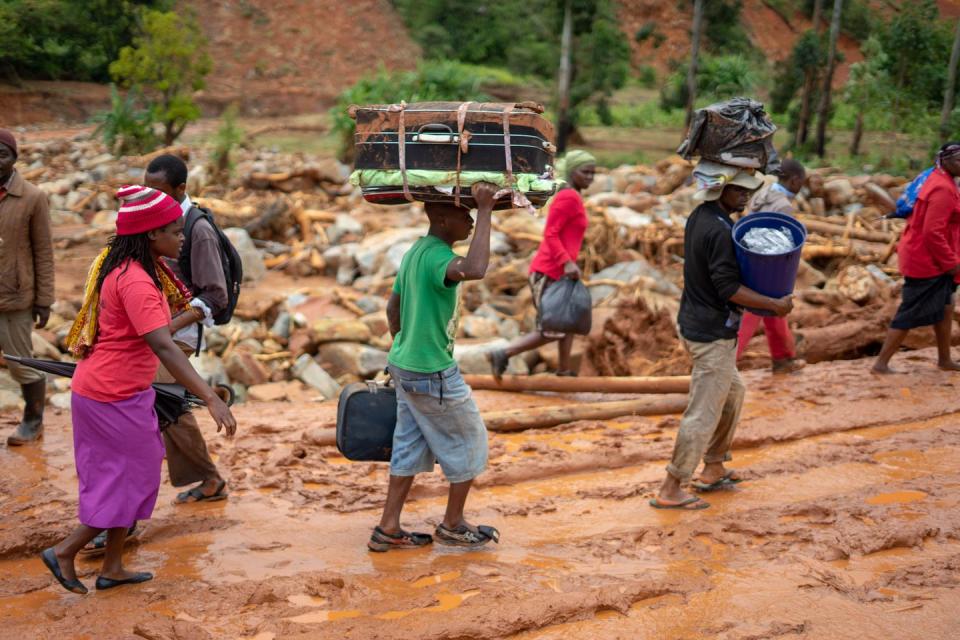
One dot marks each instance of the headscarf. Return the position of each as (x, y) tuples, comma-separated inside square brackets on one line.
[(573, 160), (948, 151), (83, 333), (711, 177)]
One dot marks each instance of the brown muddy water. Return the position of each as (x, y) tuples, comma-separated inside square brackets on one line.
[(848, 527)]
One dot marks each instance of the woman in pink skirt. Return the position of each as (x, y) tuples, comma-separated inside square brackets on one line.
[(122, 333)]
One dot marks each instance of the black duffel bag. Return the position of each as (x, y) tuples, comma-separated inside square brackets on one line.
[(566, 307), (366, 419)]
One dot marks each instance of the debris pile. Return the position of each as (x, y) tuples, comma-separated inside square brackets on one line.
[(320, 263)]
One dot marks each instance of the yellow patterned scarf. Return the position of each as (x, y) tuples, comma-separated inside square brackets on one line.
[(83, 333)]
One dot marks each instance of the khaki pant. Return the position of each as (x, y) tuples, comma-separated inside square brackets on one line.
[(15, 330), (716, 395), (188, 460)]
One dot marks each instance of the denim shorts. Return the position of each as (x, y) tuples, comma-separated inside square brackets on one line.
[(437, 420)]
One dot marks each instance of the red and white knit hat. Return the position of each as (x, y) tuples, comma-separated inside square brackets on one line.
[(144, 209)]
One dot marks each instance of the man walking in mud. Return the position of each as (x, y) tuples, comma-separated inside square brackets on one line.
[(437, 419), (709, 319), (26, 283)]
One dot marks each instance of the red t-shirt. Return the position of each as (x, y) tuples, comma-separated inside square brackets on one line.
[(563, 235), (122, 364), (930, 245)]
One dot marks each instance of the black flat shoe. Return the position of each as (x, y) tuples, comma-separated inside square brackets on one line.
[(49, 558), (110, 583)]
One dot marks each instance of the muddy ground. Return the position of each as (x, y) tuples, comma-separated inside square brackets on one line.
[(848, 527)]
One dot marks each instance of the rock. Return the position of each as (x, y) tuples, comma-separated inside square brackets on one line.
[(628, 272), (306, 370), (377, 322), (475, 326), (879, 197), (627, 217), (472, 358), (382, 252), (340, 255), (210, 368), (500, 243), (346, 275), (10, 401), (345, 226), (839, 191), (7, 383), (242, 367), (60, 218), (61, 400), (641, 202), (302, 341), (856, 283), (104, 220), (250, 256), (43, 349), (341, 358), (606, 199), (341, 330), (370, 304), (281, 326)]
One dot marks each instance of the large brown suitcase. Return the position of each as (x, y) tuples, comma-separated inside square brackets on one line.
[(451, 136)]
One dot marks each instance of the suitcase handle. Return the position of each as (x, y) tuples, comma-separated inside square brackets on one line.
[(436, 134)]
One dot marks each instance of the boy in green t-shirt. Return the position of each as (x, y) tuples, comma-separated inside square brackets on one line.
[(437, 419)]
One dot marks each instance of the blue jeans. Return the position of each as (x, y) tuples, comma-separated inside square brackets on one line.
[(437, 420)]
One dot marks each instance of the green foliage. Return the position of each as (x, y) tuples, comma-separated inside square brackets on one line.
[(229, 135), (65, 39), (809, 54), (126, 128), (918, 47), (868, 87), (432, 81), (168, 62), (646, 76), (718, 78), (723, 29), (644, 32), (640, 115), (856, 17), (524, 37)]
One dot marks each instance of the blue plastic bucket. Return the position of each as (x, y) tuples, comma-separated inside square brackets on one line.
[(771, 275)]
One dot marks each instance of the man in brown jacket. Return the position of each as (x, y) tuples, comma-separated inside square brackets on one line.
[(26, 282)]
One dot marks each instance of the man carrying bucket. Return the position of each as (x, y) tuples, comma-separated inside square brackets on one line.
[(709, 319), (777, 197)]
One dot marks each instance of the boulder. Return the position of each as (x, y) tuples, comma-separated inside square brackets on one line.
[(242, 367), (342, 358), (473, 360), (838, 192), (377, 322), (345, 226), (335, 330), (628, 272), (42, 349), (210, 368), (627, 217), (62, 400), (10, 401), (476, 326), (250, 256), (382, 252), (857, 284), (307, 371), (277, 391)]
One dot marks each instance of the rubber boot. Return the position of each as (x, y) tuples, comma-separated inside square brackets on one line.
[(30, 428)]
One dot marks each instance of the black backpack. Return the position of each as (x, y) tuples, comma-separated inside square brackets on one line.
[(229, 258)]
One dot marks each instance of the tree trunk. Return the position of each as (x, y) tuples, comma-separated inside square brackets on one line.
[(817, 14), (806, 97), (949, 94), (694, 59), (857, 134), (551, 416), (588, 384), (824, 110), (563, 83)]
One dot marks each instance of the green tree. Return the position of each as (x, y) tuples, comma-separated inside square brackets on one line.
[(65, 39), (918, 47), (168, 62), (229, 135), (867, 88)]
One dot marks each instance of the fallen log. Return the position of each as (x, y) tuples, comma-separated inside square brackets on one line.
[(590, 384), (545, 417), (840, 231)]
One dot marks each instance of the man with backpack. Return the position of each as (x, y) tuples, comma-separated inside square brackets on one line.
[(929, 253), (202, 268)]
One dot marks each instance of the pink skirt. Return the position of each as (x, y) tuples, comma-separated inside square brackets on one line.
[(118, 452)]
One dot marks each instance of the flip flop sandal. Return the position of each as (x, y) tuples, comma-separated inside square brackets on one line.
[(98, 545), (50, 560), (196, 495), (693, 503), (381, 541), (463, 536), (725, 482)]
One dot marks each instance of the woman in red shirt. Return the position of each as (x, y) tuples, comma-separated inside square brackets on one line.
[(929, 255), (122, 334), (556, 258)]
